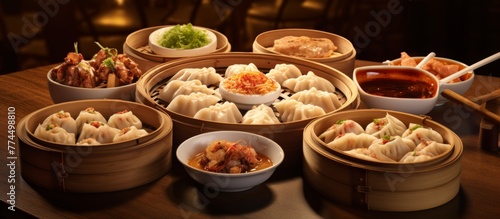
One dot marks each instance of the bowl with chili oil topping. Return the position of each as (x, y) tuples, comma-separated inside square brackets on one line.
[(441, 67), (230, 161), (247, 89), (399, 88)]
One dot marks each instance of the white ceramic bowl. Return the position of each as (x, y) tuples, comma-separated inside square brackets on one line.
[(245, 101), (167, 52), (457, 87), (227, 182), (64, 93), (409, 105)]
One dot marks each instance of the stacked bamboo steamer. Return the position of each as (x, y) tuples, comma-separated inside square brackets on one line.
[(136, 46), (376, 185), (101, 168), (343, 60), (288, 135)]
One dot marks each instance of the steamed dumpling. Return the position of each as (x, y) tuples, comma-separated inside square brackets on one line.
[(62, 119), (190, 104), (351, 141), (129, 133), (124, 119), (238, 68), (367, 154), (326, 100), (425, 151), (100, 131), (412, 157), (52, 132), (226, 112), (207, 76), (341, 127), (88, 115), (394, 148), (292, 110), (389, 125), (282, 72), (177, 87), (432, 148), (418, 134), (261, 114), (306, 82)]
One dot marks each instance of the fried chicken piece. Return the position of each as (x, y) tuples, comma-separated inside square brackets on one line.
[(406, 60), (304, 46)]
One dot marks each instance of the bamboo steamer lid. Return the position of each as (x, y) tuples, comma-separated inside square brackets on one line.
[(137, 48), (288, 135), (344, 62), (377, 185), (102, 168)]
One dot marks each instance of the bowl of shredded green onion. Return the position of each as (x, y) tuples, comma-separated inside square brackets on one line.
[(182, 41)]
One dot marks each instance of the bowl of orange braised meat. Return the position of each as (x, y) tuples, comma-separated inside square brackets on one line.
[(107, 75), (230, 161)]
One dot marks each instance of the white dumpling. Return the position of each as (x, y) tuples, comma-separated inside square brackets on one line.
[(124, 119), (207, 76), (282, 72), (426, 150), (226, 112), (432, 148), (389, 125), (412, 157), (238, 68), (418, 134), (339, 128), (367, 154), (88, 141), (306, 82), (326, 100), (351, 141), (292, 110), (129, 133), (88, 115), (52, 132), (100, 131), (393, 147), (261, 114), (177, 87), (62, 119), (190, 104)]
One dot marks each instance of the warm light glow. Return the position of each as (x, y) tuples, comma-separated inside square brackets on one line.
[(119, 2)]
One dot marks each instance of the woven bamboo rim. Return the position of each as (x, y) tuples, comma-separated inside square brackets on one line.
[(104, 168), (344, 63), (139, 39), (96, 161), (288, 134), (73, 171), (150, 117), (365, 116), (376, 185), (265, 41)]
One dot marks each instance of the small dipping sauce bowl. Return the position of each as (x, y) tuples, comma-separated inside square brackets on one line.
[(246, 101), (405, 89)]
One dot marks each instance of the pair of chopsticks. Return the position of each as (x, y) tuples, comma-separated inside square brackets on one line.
[(475, 103)]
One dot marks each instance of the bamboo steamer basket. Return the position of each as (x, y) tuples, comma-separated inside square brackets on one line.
[(136, 46), (288, 135), (102, 168), (376, 185), (344, 62)]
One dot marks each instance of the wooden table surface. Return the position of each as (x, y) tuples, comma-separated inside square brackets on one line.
[(283, 196)]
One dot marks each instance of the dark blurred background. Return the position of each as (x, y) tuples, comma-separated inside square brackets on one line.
[(36, 33)]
